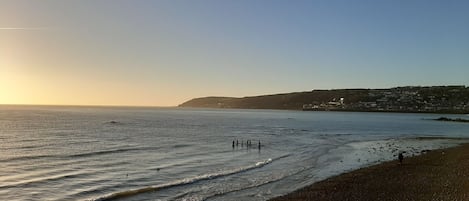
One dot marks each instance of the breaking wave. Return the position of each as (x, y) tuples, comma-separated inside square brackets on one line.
[(185, 181)]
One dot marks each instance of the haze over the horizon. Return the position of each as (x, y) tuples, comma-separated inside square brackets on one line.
[(162, 53)]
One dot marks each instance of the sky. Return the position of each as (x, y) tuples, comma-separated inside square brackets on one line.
[(165, 52)]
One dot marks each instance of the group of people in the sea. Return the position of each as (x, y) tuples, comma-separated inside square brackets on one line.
[(248, 144)]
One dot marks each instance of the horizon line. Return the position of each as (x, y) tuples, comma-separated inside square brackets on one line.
[(83, 105)]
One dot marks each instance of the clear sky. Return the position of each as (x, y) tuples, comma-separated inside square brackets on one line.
[(164, 52)]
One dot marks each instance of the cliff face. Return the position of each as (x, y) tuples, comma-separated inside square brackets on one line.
[(438, 99)]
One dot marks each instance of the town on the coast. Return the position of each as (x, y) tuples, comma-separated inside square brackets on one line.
[(452, 99), (428, 99)]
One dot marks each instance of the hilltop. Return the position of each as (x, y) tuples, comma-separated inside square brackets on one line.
[(438, 99)]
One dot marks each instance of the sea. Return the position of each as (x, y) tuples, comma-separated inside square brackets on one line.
[(151, 153)]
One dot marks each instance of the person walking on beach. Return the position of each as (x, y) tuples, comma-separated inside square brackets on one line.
[(401, 158), (259, 146), (233, 144)]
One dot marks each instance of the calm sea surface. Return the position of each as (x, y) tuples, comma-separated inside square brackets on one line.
[(118, 153)]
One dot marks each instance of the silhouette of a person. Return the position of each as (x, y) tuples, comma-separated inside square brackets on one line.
[(401, 158)]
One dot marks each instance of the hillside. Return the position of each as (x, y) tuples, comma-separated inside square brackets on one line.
[(450, 99)]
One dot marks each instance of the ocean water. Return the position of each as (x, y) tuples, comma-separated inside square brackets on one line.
[(125, 153)]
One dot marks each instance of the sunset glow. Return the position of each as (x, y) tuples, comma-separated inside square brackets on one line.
[(163, 53)]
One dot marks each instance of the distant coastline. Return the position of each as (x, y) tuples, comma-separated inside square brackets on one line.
[(410, 99)]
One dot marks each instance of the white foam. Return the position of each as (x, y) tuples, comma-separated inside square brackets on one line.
[(361, 154), (183, 181)]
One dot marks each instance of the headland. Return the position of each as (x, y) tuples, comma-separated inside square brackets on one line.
[(415, 99)]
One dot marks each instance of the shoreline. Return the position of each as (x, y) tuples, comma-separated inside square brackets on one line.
[(439, 174), (334, 110)]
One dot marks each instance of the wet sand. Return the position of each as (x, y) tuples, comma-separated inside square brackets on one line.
[(436, 175)]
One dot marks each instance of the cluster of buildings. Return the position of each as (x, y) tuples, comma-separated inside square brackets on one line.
[(451, 99), (331, 105)]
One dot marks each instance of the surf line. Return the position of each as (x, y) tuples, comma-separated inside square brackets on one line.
[(181, 182)]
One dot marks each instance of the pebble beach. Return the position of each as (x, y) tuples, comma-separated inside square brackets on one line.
[(434, 175)]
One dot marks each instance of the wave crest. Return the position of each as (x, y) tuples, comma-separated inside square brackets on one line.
[(184, 181)]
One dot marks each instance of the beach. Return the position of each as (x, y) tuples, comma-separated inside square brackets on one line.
[(437, 175)]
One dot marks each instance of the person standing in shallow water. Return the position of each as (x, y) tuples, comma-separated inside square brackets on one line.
[(401, 158)]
